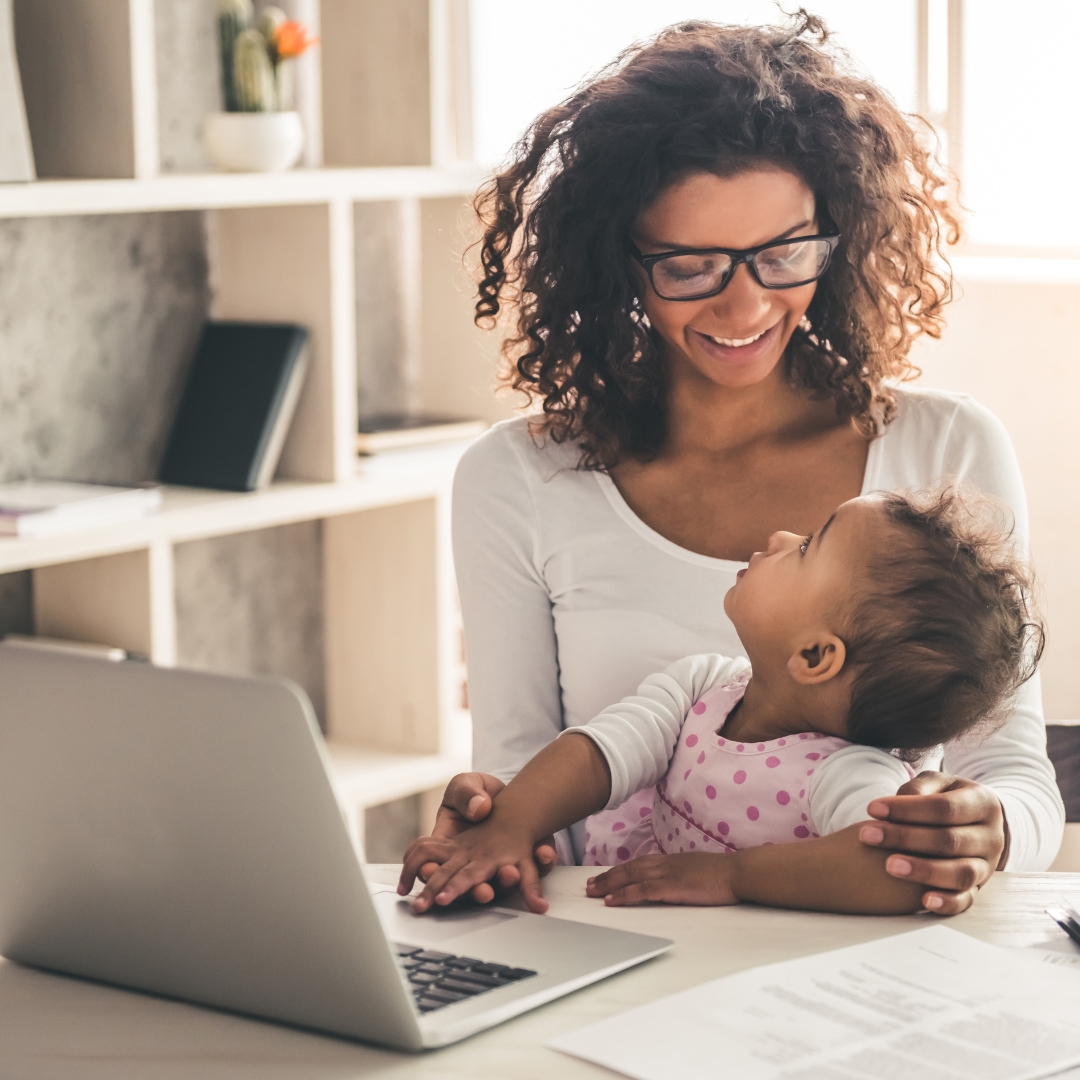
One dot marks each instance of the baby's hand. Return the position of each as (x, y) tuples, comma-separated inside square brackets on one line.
[(492, 849), (691, 877)]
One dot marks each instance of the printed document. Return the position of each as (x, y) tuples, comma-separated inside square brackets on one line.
[(933, 1004)]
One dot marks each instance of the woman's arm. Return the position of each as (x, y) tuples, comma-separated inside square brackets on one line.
[(1013, 763), (509, 635), (1004, 808), (505, 606), (834, 873)]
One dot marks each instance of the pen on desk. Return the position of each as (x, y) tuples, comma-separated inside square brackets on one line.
[(1068, 918)]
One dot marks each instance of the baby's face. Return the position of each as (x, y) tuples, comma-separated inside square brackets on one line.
[(801, 586)]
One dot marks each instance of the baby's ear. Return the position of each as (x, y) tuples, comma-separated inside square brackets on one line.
[(818, 661)]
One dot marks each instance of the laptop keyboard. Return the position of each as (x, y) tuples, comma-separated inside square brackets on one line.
[(439, 978)]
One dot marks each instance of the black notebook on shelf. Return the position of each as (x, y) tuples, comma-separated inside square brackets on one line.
[(237, 405)]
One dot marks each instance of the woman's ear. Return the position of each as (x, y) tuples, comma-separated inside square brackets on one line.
[(818, 661)]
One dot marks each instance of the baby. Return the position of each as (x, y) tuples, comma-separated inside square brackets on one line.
[(903, 623)]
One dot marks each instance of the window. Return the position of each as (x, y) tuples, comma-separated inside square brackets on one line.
[(999, 82), (527, 55), (1020, 132)]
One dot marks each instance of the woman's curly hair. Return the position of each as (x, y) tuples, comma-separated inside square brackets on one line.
[(719, 99)]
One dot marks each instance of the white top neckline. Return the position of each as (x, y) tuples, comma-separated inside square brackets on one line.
[(669, 547)]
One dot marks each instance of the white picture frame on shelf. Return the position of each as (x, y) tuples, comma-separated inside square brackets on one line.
[(16, 153)]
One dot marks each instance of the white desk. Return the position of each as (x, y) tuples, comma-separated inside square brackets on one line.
[(53, 1028)]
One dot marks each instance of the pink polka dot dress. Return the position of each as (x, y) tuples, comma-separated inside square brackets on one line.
[(717, 795)]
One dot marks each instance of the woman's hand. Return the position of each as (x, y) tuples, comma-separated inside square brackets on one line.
[(949, 834), (467, 801), (690, 877)]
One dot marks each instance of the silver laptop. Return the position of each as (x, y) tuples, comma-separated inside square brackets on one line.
[(176, 832)]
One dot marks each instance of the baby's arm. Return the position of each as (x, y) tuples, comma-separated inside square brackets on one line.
[(566, 781), (627, 748), (638, 734), (834, 873), (826, 874)]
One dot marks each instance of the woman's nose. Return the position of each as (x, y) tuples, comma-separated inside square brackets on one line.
[(743, 298)]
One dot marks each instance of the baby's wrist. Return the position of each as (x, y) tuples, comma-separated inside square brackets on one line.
[(511, 827), (735, 874), (510, 817)]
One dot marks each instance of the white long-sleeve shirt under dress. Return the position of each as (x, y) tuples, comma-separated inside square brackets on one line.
[(677, 784), (570, 600)]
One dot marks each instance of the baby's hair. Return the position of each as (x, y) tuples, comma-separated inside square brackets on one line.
[(948, 633)]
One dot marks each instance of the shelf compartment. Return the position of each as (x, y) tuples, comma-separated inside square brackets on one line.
[(124, 600), (376, 82), (364, 776), (89, 84), (195, 513), (213, 191), (381, 599), (294, 264)]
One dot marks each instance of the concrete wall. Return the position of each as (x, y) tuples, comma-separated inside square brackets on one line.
[(188, 80), (253, 603), (98, 322), (1014, 347)]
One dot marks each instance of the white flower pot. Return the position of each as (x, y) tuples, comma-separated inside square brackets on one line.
[(254, 141)]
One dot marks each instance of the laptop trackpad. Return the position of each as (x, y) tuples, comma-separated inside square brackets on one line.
[(433, 928)]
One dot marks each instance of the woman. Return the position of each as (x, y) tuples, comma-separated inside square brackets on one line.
[(718, 254)]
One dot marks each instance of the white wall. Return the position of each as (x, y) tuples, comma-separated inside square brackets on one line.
[(1014, 346)]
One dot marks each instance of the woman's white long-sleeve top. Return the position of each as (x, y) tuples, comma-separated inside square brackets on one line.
[(570, 600)]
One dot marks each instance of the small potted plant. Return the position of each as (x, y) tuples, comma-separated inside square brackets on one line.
[(259, 131)]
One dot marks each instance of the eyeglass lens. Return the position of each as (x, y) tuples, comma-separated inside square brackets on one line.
[(677, 276)]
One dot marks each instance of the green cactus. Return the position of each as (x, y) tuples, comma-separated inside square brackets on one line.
[(270, 19), (253, 74), (234, 17), (285, 85)]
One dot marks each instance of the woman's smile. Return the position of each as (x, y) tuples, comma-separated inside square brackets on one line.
[(738, 350)]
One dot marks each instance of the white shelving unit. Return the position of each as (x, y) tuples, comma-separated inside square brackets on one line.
[(284, 247), (224, 191)]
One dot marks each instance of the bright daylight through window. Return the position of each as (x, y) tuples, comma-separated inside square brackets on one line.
[(902, 44)]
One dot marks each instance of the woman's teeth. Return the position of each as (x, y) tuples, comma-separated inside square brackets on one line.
[(736, 343)]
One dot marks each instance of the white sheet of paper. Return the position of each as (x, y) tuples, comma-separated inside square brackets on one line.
[(933, 1004)]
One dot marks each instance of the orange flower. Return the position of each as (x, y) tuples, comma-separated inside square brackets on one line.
[(291, 39)]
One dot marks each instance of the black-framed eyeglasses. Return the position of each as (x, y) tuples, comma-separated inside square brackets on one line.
[(697, 273)]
